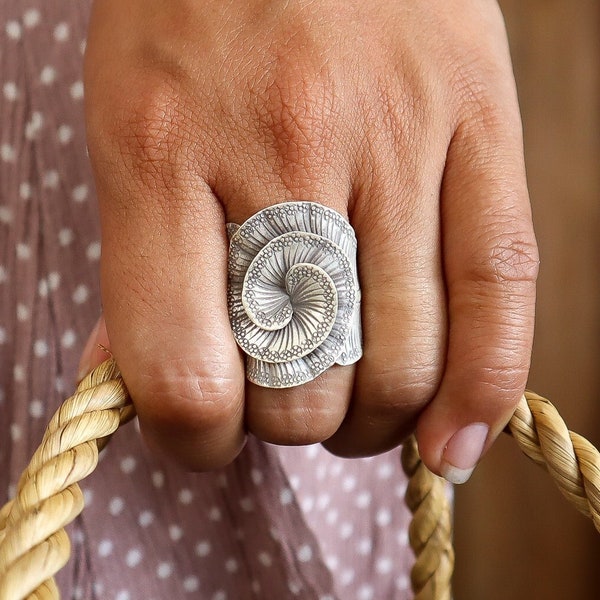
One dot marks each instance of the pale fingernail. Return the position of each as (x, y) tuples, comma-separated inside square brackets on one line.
[(462, 452), (85, 362)]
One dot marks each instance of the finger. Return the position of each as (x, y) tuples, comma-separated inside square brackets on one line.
[(491, 264), (303, 161), (164, 265), (403, 299)]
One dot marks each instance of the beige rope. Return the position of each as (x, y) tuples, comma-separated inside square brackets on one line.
[(34, 545)]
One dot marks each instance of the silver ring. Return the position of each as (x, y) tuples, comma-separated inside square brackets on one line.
[(293, 293)]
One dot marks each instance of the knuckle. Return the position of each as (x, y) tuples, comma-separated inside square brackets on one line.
[(507, 259), (183, 394)]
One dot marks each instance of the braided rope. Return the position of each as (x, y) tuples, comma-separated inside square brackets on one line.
[(34, 545)]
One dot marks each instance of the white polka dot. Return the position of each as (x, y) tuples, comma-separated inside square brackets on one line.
[(76, 90), (64, 134), (385, 470), (80, 192), (384, 517), (68, 339), (400, 490), (93, 251), (25, 190), (363, 500), (402, 582), (255, 586), (231, 565), (158, 479), (7, 153), (23, 251), (15, 432), (105, 548), (402, 537), (247, 504), (36, 409), (175, 533), (61, 32), (326, 597), (307, 503), (88, 496), (336, 468), (53, 280), (312, 451), (31, 18), (134, 557), (33, 126), (3, 335), (65, 236), (116, 506), (347, 577), (82, 46), (10, 91), (365, 592), (265, 559), (81, 294), (191, 584), (185, 496), (19, 373), (98, 588), (146, 518), (123, 595), (203, 548), (364, 547), (257, 476), (51, 179), (6, 215), (22, 312), (384, 565), (214, 514), (286, 496), (323, 501), (128, 464), (78, 593), (219, 595), (164, 570), (13, 30), (305, 553), (346, 530), (48, 75), (295, 482), (294, 587), (43, 287), (349, 483), (60, 387), (332, 516), (40, 348)]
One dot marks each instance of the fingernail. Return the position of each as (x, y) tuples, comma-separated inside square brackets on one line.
[(462, 453), (85, 362)]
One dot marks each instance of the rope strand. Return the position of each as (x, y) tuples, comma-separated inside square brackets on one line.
[(34, 545)]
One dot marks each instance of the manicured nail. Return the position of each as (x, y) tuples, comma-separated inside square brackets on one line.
[(85, 362), (462, 452)]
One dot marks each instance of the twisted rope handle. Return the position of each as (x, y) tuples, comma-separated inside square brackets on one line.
[(34, 545)]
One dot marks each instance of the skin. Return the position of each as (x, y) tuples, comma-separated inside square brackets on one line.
[(401, 115)]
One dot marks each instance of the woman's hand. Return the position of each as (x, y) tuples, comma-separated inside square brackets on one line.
[(401, 115)]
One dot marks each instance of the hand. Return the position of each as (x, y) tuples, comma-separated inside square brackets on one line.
[(401, 115)]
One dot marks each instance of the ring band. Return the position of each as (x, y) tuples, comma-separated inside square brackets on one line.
[(293, 294)]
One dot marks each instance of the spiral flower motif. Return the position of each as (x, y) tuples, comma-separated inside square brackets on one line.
[(293, 293)]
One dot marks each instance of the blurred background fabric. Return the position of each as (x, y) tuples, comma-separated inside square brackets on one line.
[(516, 537)]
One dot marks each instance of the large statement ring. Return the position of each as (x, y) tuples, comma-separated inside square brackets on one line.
[(293, 293)]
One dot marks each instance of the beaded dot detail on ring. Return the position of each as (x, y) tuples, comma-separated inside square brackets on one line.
[(293, 293)]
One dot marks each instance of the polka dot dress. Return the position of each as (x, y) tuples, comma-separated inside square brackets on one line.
[(278, 523)]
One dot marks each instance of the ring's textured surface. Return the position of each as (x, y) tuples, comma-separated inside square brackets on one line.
[(293, 293)]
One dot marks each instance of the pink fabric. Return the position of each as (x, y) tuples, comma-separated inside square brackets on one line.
[(278, 522)]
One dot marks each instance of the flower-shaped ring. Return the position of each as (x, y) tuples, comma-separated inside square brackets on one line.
[(293, 293)]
